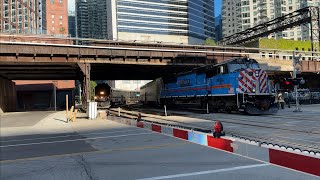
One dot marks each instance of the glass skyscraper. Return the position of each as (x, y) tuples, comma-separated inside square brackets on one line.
[(191, 20), (201, 19), (153, 16), (170, 21)]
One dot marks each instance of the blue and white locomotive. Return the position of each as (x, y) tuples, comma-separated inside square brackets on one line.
[(234, 85)]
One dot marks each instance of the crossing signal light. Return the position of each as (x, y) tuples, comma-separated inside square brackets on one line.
[(295, 81)]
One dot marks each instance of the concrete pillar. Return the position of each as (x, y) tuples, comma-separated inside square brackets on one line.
[(86, 94), (8, 95)]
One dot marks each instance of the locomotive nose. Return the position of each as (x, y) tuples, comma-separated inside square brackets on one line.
[(253, 81)]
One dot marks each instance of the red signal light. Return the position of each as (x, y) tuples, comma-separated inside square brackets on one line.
[(287, 83)]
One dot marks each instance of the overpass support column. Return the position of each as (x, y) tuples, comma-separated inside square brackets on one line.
[(8, 96), (85, 84)]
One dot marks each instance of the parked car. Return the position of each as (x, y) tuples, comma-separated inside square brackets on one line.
[(304, 96), (315, 97)]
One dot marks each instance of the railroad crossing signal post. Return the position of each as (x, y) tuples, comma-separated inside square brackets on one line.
[(296, 60)]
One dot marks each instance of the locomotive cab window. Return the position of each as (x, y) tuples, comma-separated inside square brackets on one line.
[(236, 67), (212, 72), (254, 65)]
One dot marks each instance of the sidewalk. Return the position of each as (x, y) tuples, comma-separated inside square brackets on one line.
[(54, 123)]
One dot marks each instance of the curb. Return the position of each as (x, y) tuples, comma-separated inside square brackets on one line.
[(292, 160)]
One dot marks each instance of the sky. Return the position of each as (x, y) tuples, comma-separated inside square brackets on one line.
[(71, 4), (217, 6)]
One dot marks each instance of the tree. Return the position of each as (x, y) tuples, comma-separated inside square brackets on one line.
[(210, 42), (93, 85)]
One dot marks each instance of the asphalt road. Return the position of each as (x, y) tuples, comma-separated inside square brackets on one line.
[(108, 150), (20, 119)]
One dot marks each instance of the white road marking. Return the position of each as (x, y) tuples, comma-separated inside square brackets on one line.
[(71, 140), (205, 172), (71, 135)]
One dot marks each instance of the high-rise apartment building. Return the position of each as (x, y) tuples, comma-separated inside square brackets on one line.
[(91, 18), (82, 20), (239, 15), (72, 23), (175, 21), (56, 17), (218, 27), (34, 16), (17, 16)]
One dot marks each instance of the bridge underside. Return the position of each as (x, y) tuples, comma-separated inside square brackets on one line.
[(71, 71)]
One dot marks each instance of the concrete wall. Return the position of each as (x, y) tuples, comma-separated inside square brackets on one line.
[(8, 97)]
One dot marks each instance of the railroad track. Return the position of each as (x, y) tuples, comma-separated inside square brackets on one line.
[(249, 136), (246, 122), (296, 116)]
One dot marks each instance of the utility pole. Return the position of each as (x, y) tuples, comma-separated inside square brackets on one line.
[(296, 60)]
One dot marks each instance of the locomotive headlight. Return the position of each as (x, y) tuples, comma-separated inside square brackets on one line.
[(257, 73), (101, 92)]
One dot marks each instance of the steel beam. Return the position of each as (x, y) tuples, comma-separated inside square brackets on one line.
[(315, 28), (296, 18)]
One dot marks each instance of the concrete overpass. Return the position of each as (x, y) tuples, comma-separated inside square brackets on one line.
[(21, 60), (56, 61)]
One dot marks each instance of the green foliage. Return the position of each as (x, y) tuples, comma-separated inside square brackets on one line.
[(93, 85), (285, 44), (209, 42)]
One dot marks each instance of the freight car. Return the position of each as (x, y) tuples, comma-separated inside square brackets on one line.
[(238, 84)]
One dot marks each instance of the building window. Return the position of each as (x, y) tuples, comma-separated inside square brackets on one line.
[(52, 29), (60, 23), (52, 16), (52, 22), (60, 1), (60, 17)]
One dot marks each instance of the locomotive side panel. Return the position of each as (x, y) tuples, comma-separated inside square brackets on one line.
[(188, 85), (237, 84)]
